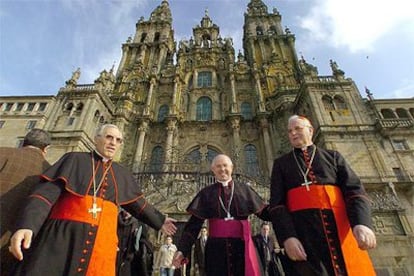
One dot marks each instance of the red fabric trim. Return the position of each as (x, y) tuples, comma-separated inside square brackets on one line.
[(220, 228), (42, 198), (330, 197), (53, 180), (132, 200), (103, 256), (115, 183)]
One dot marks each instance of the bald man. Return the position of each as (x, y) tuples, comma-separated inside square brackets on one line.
[(226, 205)]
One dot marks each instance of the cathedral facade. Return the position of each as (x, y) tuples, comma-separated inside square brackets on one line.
[(181, 103)]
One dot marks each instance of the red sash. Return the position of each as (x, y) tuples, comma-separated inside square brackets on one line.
[(75, 208), (330, 197), (220, 228)]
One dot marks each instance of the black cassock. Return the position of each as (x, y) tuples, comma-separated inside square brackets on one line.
[(318, 228), (65, 236), (223, 256)]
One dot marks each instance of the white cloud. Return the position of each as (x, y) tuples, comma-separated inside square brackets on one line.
[(355, 24), (405, 91)]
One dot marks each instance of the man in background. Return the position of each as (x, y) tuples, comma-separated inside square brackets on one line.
[(19, 171), (265, 245), (199, 248)]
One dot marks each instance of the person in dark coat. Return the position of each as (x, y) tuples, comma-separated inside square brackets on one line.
[(135, 251), (199, 251), (69, 224), (320, 211), (226, 206), (265, 246), (20, 169)]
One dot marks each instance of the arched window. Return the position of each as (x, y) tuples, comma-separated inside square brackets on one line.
[(156, 37), (162, 113), (157, 159), (339, 103), (69, 107), (211, 153), (387, 114), (272, 30), (328, 103), (143, 36), (204, 79), (190, 82), (252, 164), (206, 40), (96, 116), (402, 113), (259, 30), (246, 111), (204, 109), (79, 107), (194, 156)]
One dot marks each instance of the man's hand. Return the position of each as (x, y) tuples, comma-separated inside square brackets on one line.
[(169, 228), (178, 259), (365, 237), (294, 249), (22, 237)]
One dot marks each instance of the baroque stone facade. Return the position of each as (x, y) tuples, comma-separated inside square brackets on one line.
[(176, 116)]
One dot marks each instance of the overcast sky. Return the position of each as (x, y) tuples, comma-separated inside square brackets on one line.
[(43, 41)]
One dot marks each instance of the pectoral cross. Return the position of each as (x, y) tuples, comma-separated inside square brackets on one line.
[(229, 217), (306, 183), (94, 210)]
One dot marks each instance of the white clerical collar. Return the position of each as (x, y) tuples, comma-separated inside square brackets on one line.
[(104, 159), (224, 183)]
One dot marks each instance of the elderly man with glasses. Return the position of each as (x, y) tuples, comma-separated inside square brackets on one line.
[(68, 226)]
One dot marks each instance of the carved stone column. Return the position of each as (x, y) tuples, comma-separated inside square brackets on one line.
[(171, 127), (234, 108), (259, 92), (174, 100), (142, 130), (264, 126), (235, 125), (149, 97)]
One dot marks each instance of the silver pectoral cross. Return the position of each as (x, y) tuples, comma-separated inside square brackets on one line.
[(229, 217), (94, 210), (306, 183)]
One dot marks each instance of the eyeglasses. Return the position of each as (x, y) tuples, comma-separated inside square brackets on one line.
[(298, 129), (111, 138)]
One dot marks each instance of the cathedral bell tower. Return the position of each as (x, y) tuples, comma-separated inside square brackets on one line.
[(269, 49), (145, 55), (204, 61)]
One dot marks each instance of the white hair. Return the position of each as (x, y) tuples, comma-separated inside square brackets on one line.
[(220, 156), (302, 118), (100, 130)]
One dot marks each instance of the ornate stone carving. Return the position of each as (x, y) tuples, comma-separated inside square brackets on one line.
[(384, 200), (387, 223)]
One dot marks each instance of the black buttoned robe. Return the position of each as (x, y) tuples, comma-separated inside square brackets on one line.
[(67, 239)]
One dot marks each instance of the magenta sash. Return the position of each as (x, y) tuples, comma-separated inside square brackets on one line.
[(220, 228)]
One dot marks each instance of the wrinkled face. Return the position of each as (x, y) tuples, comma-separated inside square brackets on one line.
[(222, 168), (265, 230), (108, 143), (300, 133)]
